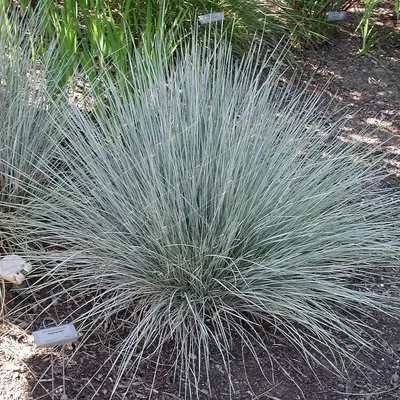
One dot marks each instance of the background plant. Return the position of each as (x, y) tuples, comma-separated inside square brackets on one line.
[(90, 33), (369, 37), (307, 21), (207, 202)]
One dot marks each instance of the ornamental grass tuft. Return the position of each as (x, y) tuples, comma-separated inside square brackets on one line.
[(27, 137), (206, 203)]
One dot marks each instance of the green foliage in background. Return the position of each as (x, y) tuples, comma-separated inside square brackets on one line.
[(89, 34), (307, 21), (369, 37), (92, 33), (369, 31)]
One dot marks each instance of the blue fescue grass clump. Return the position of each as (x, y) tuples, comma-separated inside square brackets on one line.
[(27, 137), (204, 200), (28, 105)]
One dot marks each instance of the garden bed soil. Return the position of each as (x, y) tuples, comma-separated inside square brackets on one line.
[(368, 86)]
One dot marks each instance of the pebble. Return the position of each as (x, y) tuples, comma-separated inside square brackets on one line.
[(24, 324), (394, 380)]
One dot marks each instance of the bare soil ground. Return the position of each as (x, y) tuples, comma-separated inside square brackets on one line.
[(368, 85)]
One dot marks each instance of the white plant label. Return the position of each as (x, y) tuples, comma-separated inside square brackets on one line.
[(336, 15), (213, 17), (14, 269), (55, 335)]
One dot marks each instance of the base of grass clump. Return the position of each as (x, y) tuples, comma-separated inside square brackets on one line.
[(207, 204)]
